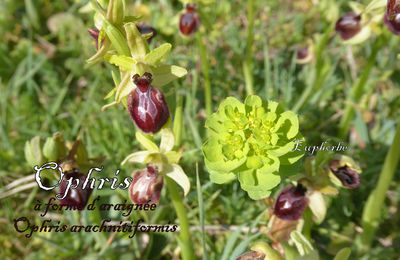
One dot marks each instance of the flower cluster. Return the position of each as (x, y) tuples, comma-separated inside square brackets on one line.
[(252, 142)]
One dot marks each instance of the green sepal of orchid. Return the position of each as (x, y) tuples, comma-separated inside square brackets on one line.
[(317, 206), (163, 157), (145, 141), (117, 39), (176, 173), (116, 11), (124, 63), (124, 88), (99, 55), (137, 45), (164, 74), (155, 56)]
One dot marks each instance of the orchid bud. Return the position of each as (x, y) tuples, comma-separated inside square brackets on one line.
[(348, 25), (147, 31), (392, 16), (291, 203), (146, 186), (54, 148), (189, 21), (304, 55), (76, 197), (347, 175), (147, 106)]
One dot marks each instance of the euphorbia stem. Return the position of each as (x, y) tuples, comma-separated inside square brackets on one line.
[(248, 61), (184, 235), (376, 200), (205, 71), (357, 91)]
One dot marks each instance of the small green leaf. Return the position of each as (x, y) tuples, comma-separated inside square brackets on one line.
[(154, 57)]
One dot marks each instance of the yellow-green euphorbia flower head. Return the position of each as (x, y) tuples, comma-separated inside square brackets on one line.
[(252, 142)]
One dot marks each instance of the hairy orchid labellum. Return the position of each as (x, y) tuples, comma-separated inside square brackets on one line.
[(348, 25), (189, 21), (146, 185), (252, 142), (291, 203), (76, 197), (260, 251), (345, 171), (146, 105), (163, 158), (392, 16)]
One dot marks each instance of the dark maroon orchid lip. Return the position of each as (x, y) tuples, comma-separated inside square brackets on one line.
[(348, 25), (146, 105), (146, 186), (291, 203), (349, 178)]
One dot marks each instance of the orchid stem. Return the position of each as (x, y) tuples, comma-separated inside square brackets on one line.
[(357, 91), (173, 189), (184, 235), (376, 200), (205, 70)]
